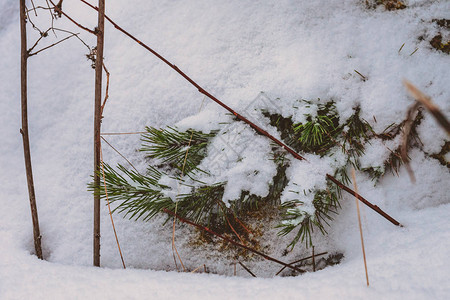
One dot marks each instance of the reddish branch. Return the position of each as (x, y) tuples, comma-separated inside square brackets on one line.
[(201, 227), (300, 260), (59, 11), (247, 269), (239, 116), (361, 198)]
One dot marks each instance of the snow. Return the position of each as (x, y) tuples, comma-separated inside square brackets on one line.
[(235, 50)]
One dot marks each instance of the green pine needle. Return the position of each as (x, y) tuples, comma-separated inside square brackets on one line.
[(170, 145)]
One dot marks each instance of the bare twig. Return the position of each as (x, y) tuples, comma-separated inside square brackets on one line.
[(361, 198), (59, 11), (44, 34), (230, 241), (313, 260), (34, 8), (31, 21), (122, 133), (107, 89), (54, 44), (246, 269), (75, 34), (300, 260), (117, 151), (51, 15), (360, 226)]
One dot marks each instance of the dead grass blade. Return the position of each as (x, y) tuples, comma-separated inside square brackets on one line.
[(428, 104)]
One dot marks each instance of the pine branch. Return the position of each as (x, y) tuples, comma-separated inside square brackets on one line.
[(140, 196), (170, 146), (357, 133), (325, 203), (317, 134), (143, 196)]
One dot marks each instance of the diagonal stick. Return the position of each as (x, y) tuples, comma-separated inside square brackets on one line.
[(109, 207), (360, 226)]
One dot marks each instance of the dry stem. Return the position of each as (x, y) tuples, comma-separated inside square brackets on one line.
[(360, 226)]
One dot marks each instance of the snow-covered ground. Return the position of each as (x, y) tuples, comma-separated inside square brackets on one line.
[(235, 49)]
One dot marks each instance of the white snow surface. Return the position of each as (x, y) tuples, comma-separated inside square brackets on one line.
[(234, 49)]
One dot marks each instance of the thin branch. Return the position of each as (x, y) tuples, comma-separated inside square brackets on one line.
[(117, 151), (52, 45), (60, 11), (51, 15), (31, 21), (122, 133), (34, 8), (76, 35), (361, 198), (247, 269), (231, 241), (300, 260), (44, 34), (107, 89)]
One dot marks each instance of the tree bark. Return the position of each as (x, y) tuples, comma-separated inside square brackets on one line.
[(97, 125), (24, 130)]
